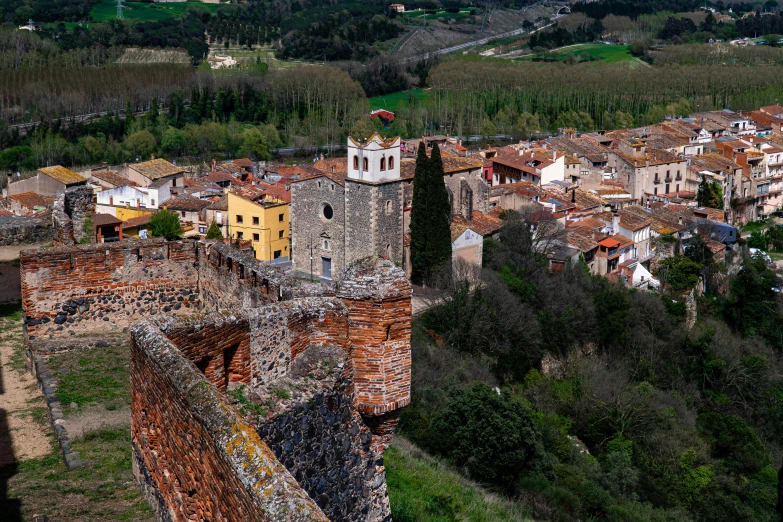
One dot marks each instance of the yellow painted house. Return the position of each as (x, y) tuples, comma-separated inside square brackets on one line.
[(265, 222)]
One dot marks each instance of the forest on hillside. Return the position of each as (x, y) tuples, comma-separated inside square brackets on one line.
[(579, 399)]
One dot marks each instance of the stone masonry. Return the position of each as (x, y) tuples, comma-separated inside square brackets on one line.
[(321, 370)]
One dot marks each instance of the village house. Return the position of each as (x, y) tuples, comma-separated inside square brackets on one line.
[(47, 181), (647, 171), (512, 166), (105, 179), (217, 212), (128, 201), (156, 173), (26, 203), (106, 228), (264, 221), (191, 211), (131, 228), (734, 123), (467, 236)]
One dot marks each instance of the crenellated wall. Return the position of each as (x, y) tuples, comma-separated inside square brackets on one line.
[(322, 370), (100, 288)]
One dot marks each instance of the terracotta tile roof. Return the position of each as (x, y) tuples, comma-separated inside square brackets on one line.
[(218, 177), (337, 165), (772, 109), (482, 224), (245, 163), (652, 155), (609, 242), (186, 203), (631, 221), (220, 204), (100, 220), (63, 175), (112, 178), (714, 162), (276, 191), (156, 169), (581, 239), (588, 223), (136, 222), (454, 164), (31, 200)]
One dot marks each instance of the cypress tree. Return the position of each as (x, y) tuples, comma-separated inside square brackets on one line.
[(439, 240), (419, 217)]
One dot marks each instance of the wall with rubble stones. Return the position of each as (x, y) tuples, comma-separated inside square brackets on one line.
[(72, 213), (18, 230), (105, 288), (195, 458)]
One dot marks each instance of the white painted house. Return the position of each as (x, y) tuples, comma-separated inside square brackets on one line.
[(148, 198)]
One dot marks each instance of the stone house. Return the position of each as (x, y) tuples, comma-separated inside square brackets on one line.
[(105, 179), (337, 219), (191, 212), (647, 170), (467, 237), (48, 181), (156, 172), (26, 203)]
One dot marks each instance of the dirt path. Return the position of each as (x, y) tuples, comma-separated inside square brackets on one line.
[(21, 436)]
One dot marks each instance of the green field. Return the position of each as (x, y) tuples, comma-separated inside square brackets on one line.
[(107, 10), (391, 101), (603, 52)]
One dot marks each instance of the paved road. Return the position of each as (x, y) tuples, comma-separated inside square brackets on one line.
[(475, 43)]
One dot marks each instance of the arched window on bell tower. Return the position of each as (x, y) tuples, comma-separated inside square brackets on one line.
[(391, 162), (366, 164), (356, 162), (383, 163)]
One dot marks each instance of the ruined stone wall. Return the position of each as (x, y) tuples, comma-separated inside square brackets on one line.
[(326, 446), (234, 279), (72, 216), (195, 458), (281, 332), (106, 287), (17, 230)]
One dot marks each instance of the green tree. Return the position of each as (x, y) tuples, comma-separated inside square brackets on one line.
[(439, 236), (254, 145), (213, 232), (709, 194), (165, 223), (493, 436), (141, 143), (680, 273), (734, 442), (419, 215), (773, 40), (757, 240)]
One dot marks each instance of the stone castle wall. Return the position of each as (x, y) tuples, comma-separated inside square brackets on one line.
[(18, 230), (99, 288), (222, 322), (195, 458)]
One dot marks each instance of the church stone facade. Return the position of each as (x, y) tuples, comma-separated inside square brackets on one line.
[(340, 218)]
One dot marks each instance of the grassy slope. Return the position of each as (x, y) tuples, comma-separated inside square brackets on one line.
[(423, 489), (391, 101), (107, 10), (102, 490)]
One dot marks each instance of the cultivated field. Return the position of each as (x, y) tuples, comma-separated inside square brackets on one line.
[(107, 10)]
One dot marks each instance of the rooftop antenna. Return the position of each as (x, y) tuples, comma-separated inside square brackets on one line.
[(119, 9)]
